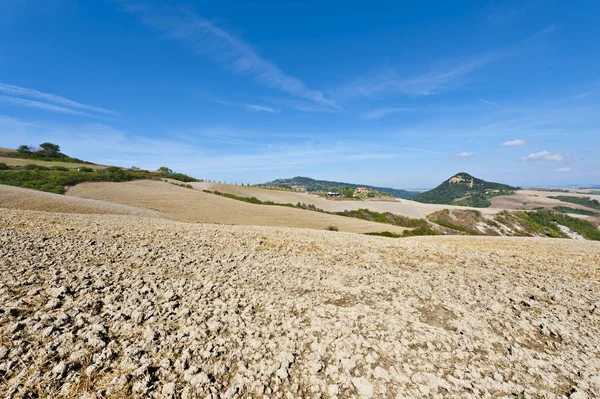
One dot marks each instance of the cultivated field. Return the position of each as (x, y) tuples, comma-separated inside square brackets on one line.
[(196, 206), (22, 198), (129, 306), (530, 199), (403, 207)]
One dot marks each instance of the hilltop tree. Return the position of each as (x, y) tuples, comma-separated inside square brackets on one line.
[(164, 169), (24, 149), (50, 148)]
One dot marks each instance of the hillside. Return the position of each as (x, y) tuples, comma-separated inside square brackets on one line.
[(464, 189), (309, 184)]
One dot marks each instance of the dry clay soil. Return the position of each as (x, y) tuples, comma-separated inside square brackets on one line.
[(132, 306)]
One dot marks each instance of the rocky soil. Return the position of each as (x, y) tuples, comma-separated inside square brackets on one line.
[(128, 306)]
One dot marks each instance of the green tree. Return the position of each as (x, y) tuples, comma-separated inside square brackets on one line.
[(348, 192), (24, 149), (164, 169), (50, 148)]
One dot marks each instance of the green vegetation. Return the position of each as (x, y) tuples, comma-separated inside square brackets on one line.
[(312, 185), (3, 166), (57, 178), (419, 226), (384, 234), (568, 209), (585, 201), (256, 201), (45, 152), (468, 190), (546, 223), (482, 200), (387, 217), (169, 173), (332, 228), (449, 225)]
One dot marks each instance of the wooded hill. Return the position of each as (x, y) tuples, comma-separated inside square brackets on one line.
[(309, 184), (464, 189)]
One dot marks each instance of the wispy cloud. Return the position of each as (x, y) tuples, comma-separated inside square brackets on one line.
[(464, 154), (541, 34), (261, 108), (545, 156), (62, 102), (250, 107), (447, 76), (514, 143), (488, 102), (380, 113), (563, 170), (222, 47), (21, 102)]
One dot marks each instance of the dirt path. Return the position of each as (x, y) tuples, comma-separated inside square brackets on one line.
[(126, 306)]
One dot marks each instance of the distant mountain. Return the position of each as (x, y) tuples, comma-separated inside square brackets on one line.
[(464, 189), (309, 184)]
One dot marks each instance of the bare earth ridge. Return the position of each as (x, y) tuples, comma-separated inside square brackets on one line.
[(196, 206), (121, 306)]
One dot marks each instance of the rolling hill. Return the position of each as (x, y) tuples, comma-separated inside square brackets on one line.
[(464, 189), (309, 184)]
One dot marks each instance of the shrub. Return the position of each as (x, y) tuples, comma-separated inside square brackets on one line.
[(61, 168), (332, 228), (419, 231), (31, 166), (85, 169), (384, 234), (3, 166)]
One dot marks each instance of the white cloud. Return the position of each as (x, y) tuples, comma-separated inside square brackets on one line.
[(250, 107), (441, 79), (545, 156), (21, 102), (567, 169), (221, 46), (380, 113), (488, 102), (259, 108), (514, 143), (464, 154), (63, 103)]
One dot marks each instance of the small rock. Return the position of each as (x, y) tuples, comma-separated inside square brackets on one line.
[(60, 369), (363, 387), (168, 390)]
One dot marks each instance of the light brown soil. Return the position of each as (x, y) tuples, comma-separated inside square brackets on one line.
[(22, 198), (530, 199), (196, 206), (123, 306)]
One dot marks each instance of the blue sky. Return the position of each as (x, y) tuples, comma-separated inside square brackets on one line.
[(401, 94)]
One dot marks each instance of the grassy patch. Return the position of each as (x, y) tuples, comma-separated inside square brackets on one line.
[(387, 217), (567, 209), (585, 201), (384, 234), (546, 223), (56, 179)]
